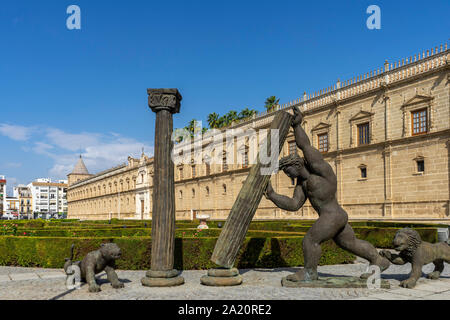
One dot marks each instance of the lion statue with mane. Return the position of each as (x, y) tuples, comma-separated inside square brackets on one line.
[(412, 249)]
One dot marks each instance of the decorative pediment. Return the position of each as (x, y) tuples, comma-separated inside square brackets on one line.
[(418, 98), (320, 126), (361, 115)]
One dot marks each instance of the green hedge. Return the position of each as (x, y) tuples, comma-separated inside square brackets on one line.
[(193, 253), (268, 244), (383, 237), (133, 232)]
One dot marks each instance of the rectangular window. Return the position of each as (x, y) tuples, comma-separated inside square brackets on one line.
[(323, 142), (224, 164), (181, 173), (363, 172), (420, 166), (419, 121), (194, 171), (208, 169), (245, 164), (292, 147), (363, 134)]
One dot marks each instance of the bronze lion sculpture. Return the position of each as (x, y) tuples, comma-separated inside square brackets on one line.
[(412, 249), (95, 262)]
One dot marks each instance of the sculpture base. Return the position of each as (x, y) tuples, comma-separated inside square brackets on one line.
[(222, 277), (332, 282), (156, 278)]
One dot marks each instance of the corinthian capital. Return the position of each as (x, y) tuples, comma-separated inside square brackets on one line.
[(164, 99)]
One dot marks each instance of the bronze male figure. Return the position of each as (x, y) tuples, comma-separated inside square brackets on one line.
[(317, 182)]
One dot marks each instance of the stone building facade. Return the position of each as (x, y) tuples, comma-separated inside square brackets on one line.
[(385, 133)]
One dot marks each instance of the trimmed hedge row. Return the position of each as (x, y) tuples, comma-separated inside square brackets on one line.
[(383, 237), (284, 225), (133, 232), (268, 244), (189, 253)]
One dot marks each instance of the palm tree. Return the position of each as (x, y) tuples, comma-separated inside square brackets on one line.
[(270, 103), (193, 128), (230, 117), (246, 113), (213, 120), (221, 122)]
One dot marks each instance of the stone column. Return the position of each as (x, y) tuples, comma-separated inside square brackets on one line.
[(164, 102)]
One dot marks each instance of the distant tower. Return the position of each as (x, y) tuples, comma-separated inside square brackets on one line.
[(79, 172)]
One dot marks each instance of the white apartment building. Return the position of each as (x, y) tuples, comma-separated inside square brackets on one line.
[(48, 197)]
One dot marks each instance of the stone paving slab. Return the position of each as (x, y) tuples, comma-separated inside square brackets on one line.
[(389, 296), (4, 277), (444, 296), (416, 293), (23, 276), (50, 275), (433, 286)]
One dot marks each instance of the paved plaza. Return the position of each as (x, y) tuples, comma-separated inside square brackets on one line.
[(43, 284)]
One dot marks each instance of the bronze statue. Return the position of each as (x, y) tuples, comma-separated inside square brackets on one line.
[(412, 249), (94, 263), (317, 182)]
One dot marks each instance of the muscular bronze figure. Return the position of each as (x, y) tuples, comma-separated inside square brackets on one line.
[(317, 182)]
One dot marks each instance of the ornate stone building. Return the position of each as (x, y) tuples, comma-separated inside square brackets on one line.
[(385, 133)]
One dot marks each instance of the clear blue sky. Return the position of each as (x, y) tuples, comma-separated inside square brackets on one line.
[(62, 91)]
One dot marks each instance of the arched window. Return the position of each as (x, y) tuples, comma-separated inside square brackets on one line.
[(180, 194), (193, 193), (224, 187), (207, 191)]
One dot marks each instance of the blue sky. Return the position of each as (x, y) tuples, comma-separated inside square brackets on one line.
[(65, 91)]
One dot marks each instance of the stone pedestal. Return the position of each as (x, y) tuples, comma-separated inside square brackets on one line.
[(222, 277), (164, 102), (203, 218), (168, 278)]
